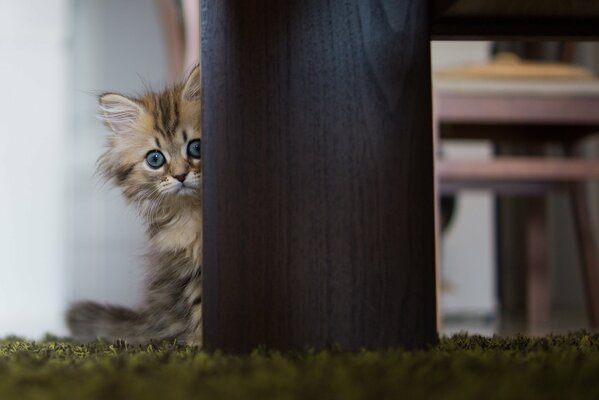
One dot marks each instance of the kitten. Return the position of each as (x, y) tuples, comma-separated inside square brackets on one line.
[(154, 156)]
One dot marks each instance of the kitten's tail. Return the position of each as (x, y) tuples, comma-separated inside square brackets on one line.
[(89, 321)]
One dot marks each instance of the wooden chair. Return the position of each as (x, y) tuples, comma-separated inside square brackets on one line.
[(180, 22), (536, 112)]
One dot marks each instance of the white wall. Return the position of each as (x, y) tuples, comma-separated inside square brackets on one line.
[(469, 270), (33, 54), (117, 46), (467, 248), (63, 235)]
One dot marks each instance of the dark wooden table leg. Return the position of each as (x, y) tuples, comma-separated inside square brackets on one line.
[(587, 245), (318, 174), (586, 241), (538, 280)]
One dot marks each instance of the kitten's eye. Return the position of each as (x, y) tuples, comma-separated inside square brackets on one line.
[(194, 148), (155, 159)]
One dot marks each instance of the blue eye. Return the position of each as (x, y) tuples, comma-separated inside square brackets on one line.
[(194, 148), (155, 159)]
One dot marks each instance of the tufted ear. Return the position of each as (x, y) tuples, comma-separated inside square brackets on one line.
[(191, 88), (119, 112)]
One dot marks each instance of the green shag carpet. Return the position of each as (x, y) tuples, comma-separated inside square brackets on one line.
[(461, 367)]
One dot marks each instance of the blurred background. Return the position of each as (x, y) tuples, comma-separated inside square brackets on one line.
[(65, 236)]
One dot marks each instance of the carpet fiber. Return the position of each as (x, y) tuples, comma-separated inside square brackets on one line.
[(462, 367)]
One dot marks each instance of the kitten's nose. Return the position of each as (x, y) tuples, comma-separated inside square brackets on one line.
[(180, 177)]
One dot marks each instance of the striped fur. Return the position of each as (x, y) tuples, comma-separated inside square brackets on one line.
[(165, 121)]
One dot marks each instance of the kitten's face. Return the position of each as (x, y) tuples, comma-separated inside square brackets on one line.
[(154, 150)]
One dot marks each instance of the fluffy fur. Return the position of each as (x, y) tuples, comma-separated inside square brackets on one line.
[(167, 121)]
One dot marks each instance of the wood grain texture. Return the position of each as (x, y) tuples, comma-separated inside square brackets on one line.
[(318, 174)]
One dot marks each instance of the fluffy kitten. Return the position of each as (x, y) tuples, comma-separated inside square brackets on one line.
[(154, 156)]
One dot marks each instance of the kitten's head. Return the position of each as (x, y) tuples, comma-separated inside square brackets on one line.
[(154, 146)]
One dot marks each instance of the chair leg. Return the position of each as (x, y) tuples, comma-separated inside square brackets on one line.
[(538, 274), (589, 260), (173, 34)]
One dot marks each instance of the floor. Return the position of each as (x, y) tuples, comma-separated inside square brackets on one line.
[(562, 321)]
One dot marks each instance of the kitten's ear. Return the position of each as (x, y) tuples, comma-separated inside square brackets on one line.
[(119, 112), (191, 89)]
